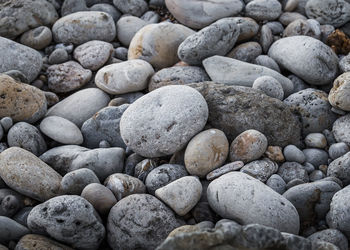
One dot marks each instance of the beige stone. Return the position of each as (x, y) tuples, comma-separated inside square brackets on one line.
[(35, 241)]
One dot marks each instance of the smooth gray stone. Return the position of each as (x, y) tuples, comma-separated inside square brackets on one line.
[(270, 86), (10, 202), (276, 183), (296, 242), (340, 168), (75, 181), (316, 156), (37, 38), (294, 182), (276, 27), (22, 215), (127, 27), (261, 169), (302, 27), (133, 7), (341, 128), (131, 162), (298, 83), (333, 236), (268, 62), (344, 64), (107, 8), (71, 6), (121, 53), (337, 150), (233, 166), (288, 17), (262, 10), (316, 175), (316, 140), (150, 17), (17, 76), (292, 170), (292, 153), (11, 230), (58, 56), (246, 52)]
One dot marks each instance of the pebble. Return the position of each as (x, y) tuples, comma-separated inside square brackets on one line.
[(143, 168), (28, 137), (51, 98), (133, 7), (70, 219), (247, 200), (71, 6), (11, 230), (270, 86), (127, 27), (340, 91), (248, 28), (93, 55), (15, 56), (100, 197), (58, 56), (17, 76), (181, 195), (337, 150), (107, 8), (174, 113), (158, 44), (123, 185), (25, 173), (104, 126), (66, 77), (36, 241), (37, 38), (197, 15), (142, 218), (205, 152), (268, 62), (274, 153), (294, 154), (260, 169), (83, 26), (294, 182), (276, 27), (292, 170), (344, 64), (124, 77), (340, 129), (316, 156), (320, 65), (331, 235), (287, 17), (316, 140), (316, 175), (215, 39), (121, 53), (339, 168), (246, 52), (163, 175), (80, 106), (10, 202), (276, 183), (302, 27), (74, 182), (263, 10), (233, 166), (266, 38), (61, 130)]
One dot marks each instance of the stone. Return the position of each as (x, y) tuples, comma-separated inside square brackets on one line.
[(66, 77), (163, 175), (10, 202), (11, 230), (302, 27), (266, 38), (233, 166), (22, 58), (276, 183), (316, 156), (174, 114), (104, 125), (337, 150), (340, 168), (199, 14), (263, 10), (288, 17), (83, 26), (344, 64), (215, 39), (124, 77), (270, 86), (274, 153), (316, 175), (261, 169), (140, 221), (292, 153), (233, 72), (151, 16), (37, 38), (313, 108), (75, 181), (268, 62), (80, 106), (127, 27), (338, 95), (100, 197), (246, 52), (93, 55), (276, 27), (61, 130), (121, 53), (245, 199), (333, 236), (32, 241), (158, 44), (27, 137), (59, 55), (70, 219), (235, 109), (25, 173), (123, 185), (107, 8), (205, 152), (143, 168), (340, 129), (316, 140), (306, 57), (71, 6), (177, 75), (181, 195), (133, 7), (292, 170), (19, 16), (248, 28)]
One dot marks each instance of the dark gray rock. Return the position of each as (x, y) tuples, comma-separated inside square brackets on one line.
[(292, 153), (261, 169), (341, 129), (74, 182), (262, 10), (133, 7), (340, 168), (337, 150), (292, 170), (276, 183), (37, 38), (11, 230)]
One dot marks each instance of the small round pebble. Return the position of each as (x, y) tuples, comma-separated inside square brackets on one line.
[(270, 86), (316, 156), (338, 149), (309, 167), (316, 140), (121, 53), (58, 56), (276, 183), (292, 170), (74, 182), (316, 175)]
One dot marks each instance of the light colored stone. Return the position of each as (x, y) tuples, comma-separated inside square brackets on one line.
[(127, 27), (262, 10), (37, 38), (338, 96), (341, 129), (270, 86), (261, 169), (316, 140), (75, 181), (246, 52), (123, 185), (133, 7), (30, 241)]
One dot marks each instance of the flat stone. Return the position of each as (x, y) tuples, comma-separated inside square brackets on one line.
[(340, 168), (233, 166), (260, 169), (133, 7)]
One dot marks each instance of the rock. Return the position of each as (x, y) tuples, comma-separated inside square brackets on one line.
[(205, 152), (274, 153), (74, 182), (32, 241), (316, 156), (340, 168), (104, 125), (288, 17), (174, 114), (100, 197), (60, 55), (181, 195), (262, 10), (22, 58), (140, 221), (71, 6), (19, 16), (51, 98), (37, 38), (312, 200), (292, 170), (331, 12), (124, 77), (233, 72), (27, 137), (247, 200), (316, 175), (276, 183), (270, 86), (337, 150), (127, 27), (67, 77), (276, 27), (216, 39), (93, 54), (61, 130), (158, 44), (233, 166), (10, 202), (246, 52), (248, 28), (199, 14), (80, 106), (267, 62), (333, 236), (292, 153), (338, 94), (235, 109), (123, 185), (306, 57), (70, 219), (340, 129), (28, 175), (177, 75), (6, 123), (302, 27), (11, 230), (316, 140), (261, 169), (143, 168), (121, 53), (313, 108), (344, 64), (83, 26), (107, 8), (163, 175), (133, 7), (266, 38)]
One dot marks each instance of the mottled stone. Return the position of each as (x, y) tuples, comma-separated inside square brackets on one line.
[(316, 156), (338, 149), (292, 170), (276, 183), (37, 38), (74, 182), (133, 7), (246, 52), (261, 169), (270, 86), (233, 166), (262, 10), (36, 241), (338, 96), (340, 168), (333, 236)]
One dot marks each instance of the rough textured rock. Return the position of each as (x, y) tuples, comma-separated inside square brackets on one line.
[(11, 230), (74, 182), (127, 27), (292, 170), (37, 38), (234, 109), (133, 7), (340, 168), (32, 241), (341, 128), (261, 169), (338, 96), (333, 236), (263, 10)]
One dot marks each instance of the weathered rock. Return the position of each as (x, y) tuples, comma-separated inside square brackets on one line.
[(340, 168), (276, 183), (261, 169), (74, 182), (292, 170), (333, 236), (233, 166), (338, 149), (127, 27), (107, 8), (133, 7), (59, 55), (36, 241), (292, 153), (340, 91), (302, 27), (341, 128), (270, 86), (316, 156), (262, 10), (37, 38), (246, 52), (288, 17), (11, 230), (267, 62)]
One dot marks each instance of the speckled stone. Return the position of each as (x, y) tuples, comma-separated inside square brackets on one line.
[(233, 166), (292, 170), (75, 181), (261, 169), (338, 96), (36, 241), (37, 38)]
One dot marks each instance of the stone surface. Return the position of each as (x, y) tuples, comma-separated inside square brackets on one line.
[(316, 140), (246, 52), (59, 55), (127, 27), (28, 175), (233, 166), (292, 170), (37, 38), (124, 77), (32, 241), (338, 149), (107, 8), (302, 27), (316, 156), (331, 235), (74, 182), (70, 219), (267, 62), (340, 168), (11, 230), (340, 91), (341, 128), (163, 121), (292, 153), (263, 10), (261, 169), (276, 183), (133, 7), (270, 86)]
